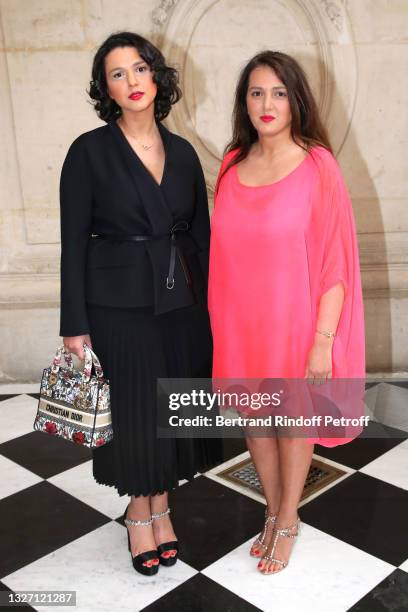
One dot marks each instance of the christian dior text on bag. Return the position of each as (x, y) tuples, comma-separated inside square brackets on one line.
[(75, 405)]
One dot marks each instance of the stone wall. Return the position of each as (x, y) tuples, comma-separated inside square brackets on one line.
[(355, 53)]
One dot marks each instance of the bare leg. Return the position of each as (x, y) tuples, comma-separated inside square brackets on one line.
[(295, 456), (162, 527), (265, 456), (141, 536)]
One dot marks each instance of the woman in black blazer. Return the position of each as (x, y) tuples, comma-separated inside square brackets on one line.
[(134, 265)]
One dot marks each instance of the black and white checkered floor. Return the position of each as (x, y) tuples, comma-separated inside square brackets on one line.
[(61, 531)]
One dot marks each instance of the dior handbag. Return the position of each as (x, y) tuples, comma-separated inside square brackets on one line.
[(75, 405)]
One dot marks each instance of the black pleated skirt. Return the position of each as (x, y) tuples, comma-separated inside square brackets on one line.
[(135, 348)]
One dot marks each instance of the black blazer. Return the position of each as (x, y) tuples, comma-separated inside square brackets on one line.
[(105, 189)]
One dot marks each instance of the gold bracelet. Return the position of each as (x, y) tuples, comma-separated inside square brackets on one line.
[(326, 333)]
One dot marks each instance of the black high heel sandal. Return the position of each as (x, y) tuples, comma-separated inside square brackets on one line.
[(141, 558), (174, 545)]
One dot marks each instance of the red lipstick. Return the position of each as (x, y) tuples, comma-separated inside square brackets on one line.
[(267, 118), (136, 95)]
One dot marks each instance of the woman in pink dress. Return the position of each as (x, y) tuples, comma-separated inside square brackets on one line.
[(285, 294)]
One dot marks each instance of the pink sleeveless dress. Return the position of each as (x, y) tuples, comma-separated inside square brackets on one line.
[(275, 249)]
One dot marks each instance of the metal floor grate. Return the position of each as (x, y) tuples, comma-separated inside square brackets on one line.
[(320, 475)]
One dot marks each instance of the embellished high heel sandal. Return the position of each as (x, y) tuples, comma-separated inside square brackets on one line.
[(286, 532), (141, 558), (173, 545), (260, 540)]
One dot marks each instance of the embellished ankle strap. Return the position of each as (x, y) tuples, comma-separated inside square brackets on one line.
[(286, 531), (136, 523), (156, 515)]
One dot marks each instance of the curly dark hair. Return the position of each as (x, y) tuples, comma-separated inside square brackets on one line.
[(166, 78), (306, 124)]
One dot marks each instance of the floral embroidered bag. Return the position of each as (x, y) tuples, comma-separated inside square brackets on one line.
[(75, 405)]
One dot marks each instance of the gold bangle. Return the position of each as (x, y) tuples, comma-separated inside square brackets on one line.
[(326, 333)]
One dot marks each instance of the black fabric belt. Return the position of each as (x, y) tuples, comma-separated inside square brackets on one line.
[(180, 226)]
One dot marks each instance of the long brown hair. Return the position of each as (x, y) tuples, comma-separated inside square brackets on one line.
[(306, 124)]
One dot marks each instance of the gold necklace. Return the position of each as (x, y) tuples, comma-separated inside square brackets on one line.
[(144, 146)]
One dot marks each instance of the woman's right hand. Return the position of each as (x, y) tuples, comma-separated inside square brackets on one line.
[(75, 344)]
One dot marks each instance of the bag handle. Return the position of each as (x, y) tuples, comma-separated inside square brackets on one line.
[(90, 359), (56, 362)]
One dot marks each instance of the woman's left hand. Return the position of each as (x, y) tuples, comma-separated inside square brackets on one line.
[(319, 361)]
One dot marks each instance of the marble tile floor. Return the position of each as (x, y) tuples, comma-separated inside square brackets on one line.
[(60, 530)]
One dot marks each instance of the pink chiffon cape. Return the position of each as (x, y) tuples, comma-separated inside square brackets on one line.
[(275, 249)]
